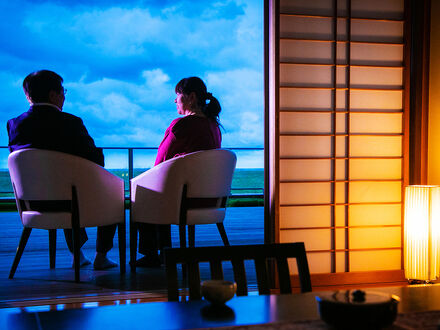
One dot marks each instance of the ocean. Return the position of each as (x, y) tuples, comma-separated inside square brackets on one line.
[(245, 180)]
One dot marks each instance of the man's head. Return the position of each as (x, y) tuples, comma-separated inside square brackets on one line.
[(44, 86)]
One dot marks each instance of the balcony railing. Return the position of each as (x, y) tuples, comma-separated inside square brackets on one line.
[(128, 162)]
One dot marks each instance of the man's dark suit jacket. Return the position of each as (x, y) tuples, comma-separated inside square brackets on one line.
[(45, 127)]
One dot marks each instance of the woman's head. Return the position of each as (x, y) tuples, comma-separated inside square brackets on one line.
[(194, 96)]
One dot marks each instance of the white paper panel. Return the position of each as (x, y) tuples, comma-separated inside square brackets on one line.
[(309, 51), (306, 27), (370, 99), (340, 238), (376, 123), (375, 260), (378, 237), (341, 100), (371, 77), (305, 146), (372, 192), (303, 170), (340, 262), (375, 146), (305, 193), (305, 216), (375, 215), (293, 98), (306, 51), (306, 75), (341, 188), (377, 8), (319, 262), (370, 169), (341, 123), (340, 215), (315, 7), (374, 89), (295, 122), (341, 146), (314, 239), (377, 31), (341, 169), (376, 54)]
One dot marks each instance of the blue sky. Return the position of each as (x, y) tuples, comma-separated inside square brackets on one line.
[(121, 60)]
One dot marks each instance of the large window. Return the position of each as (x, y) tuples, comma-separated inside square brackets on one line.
[(121, 60)]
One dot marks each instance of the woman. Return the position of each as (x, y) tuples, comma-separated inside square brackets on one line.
[(198, 129)]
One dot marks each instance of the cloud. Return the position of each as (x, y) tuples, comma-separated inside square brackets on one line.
[(120, 61), (124, 113), (240, 93)]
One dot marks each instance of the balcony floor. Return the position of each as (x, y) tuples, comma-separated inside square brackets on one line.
[(34, 284)]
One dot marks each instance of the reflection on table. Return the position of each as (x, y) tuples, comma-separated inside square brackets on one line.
[(300, 309)]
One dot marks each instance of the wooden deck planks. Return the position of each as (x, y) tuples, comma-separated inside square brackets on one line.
[(34, 280)]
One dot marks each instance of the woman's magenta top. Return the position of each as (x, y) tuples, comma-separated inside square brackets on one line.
[(188, 134)]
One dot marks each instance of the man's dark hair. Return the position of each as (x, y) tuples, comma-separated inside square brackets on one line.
[(37, 85)]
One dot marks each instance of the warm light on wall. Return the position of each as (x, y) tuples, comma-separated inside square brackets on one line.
[(422, 232)]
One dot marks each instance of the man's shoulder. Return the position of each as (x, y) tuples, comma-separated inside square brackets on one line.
[(69, 116)]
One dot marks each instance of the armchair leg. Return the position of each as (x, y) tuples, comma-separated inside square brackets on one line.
[(76, 233), (182, 235), (191, 235), (122, 248), (76, 252), (133, 245), (182, 239), (23, 240), (221, 230), (52, 247)]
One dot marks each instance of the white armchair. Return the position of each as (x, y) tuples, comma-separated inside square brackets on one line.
[(55, 190), (186, 190)]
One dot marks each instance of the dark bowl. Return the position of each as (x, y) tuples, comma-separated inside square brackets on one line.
[(356, 309)]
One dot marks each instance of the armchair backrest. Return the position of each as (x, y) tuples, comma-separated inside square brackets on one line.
[(46, 175), (157, 193)]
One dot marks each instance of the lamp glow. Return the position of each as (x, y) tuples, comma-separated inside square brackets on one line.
[(422, 233)]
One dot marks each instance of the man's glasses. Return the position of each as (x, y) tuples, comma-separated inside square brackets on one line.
[(64, 91)]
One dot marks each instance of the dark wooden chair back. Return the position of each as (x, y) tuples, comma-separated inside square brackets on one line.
[(237, 254)]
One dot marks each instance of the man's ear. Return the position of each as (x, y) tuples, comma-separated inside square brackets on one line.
[(53, 96), (28, 98)]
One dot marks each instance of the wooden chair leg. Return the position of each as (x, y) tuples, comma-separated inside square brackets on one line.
[(182, 239), (76, 252), (23, 240), (221, 230), (133, 245), (182, 235), (52, 247), (75, 233), (191, 235), (122, 247)]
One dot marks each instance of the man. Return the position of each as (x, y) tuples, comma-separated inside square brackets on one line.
[(45, 126)]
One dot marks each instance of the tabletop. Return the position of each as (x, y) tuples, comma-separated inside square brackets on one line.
[(239, 311)]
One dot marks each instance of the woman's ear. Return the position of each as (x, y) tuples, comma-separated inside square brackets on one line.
[(192, 99)]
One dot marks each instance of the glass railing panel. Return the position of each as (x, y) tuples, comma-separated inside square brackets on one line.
[(6, 190), (248, 177), (249, 174)]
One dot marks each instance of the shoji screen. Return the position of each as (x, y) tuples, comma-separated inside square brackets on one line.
[(341, 131)]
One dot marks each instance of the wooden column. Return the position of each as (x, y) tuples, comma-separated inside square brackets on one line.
[(420, 22)]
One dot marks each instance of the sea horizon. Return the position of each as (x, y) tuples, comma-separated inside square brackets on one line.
[(245, 180)]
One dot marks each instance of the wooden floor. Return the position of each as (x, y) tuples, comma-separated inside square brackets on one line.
[(35, 284)]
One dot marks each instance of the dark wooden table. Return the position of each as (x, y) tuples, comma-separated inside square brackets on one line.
[(198, 314)]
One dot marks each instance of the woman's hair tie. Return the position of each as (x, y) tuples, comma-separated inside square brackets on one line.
[(209, 96)]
